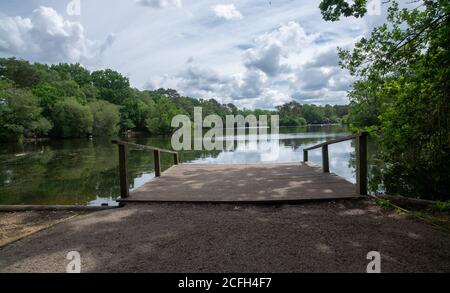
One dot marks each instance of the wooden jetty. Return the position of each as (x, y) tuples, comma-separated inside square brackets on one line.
[(246, 183)]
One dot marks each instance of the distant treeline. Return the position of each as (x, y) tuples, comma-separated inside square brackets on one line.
[(68, 101)]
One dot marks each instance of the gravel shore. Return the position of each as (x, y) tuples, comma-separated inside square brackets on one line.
[(311, 237)]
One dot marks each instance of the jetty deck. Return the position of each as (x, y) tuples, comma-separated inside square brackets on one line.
[(239, 183), (243, 183)]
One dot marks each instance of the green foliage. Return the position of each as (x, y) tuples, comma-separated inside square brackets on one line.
[(20, 114), (113, 87), (21, 72), (441, 206), (71, 119), (383, 202), (134, 112), (333, 9), (74, 72), (63, 91), (106, 118), (160, 118), (403, 93), (295, 114)]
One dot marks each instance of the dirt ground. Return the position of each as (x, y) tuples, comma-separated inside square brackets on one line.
[(310, 237), (17, 225)]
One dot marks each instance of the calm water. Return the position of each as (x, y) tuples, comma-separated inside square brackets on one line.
[(85, 172)]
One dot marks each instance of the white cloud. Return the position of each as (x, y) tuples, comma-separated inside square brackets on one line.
[(275, 53), (227, 11), (278, 67), (160, 3), (47, 37), (272, 47)]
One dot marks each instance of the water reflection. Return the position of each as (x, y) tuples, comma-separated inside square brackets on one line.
[(86, 172)]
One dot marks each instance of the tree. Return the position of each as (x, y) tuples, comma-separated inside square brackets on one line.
[(403, 92), (74, 72), (20, 114), (71, 119), (113, 87), (22, 73), (160, 118), (334, 9), (106, 118), (69, 88), (48, 95), (134, 112)]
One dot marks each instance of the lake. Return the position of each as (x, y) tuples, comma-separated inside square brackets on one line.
[(85, 172)]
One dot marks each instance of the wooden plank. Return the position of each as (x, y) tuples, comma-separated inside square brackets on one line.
[(243, 183)]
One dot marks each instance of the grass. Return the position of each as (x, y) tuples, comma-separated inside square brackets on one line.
[(436, 214), (441, 206), (437, 220), (383, 202)]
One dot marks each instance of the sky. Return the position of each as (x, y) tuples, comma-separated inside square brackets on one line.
[(255, 53)]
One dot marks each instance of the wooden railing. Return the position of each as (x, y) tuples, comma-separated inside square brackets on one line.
[(361, 158), (123, 162)]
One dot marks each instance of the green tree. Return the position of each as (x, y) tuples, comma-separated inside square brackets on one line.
[(113, 87), (134, 112), (74, 72), (20, 114), (22, 73), (48, 95), (106, 118), (159, 121), (69, 88), (402, 91), (71, 119)]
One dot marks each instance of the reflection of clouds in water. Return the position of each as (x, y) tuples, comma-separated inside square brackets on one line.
[(280, 151), (251, 137), (103, 200), (248, 152), (339, 155), (139, 181)]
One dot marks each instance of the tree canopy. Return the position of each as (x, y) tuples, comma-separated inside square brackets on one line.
[(402, 92), (67, 100)]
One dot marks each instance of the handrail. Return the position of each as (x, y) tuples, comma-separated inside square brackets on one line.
[(123, 162), (333, 141), (361, 158), (143, 147)]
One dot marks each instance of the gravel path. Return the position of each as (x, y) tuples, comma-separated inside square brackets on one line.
[(16, 225), (314, 237)]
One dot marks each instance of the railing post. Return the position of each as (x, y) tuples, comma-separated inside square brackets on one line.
[(305, 156), (157, 157), (325, 159), (123, 170), (175, 159), (361, 164)]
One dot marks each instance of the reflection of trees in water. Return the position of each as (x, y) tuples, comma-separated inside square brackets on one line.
[(75, 171), (61, 172)]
